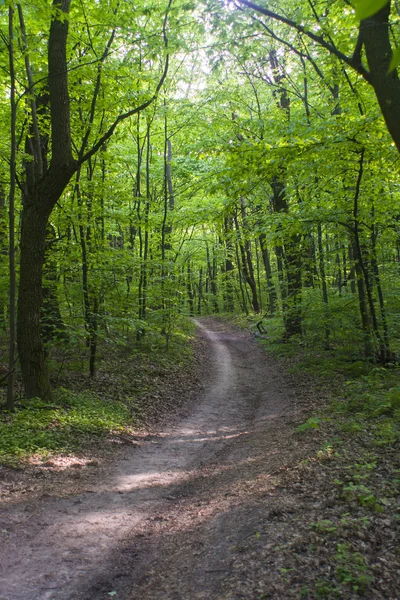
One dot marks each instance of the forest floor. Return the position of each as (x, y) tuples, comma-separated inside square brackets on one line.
[(226, 502)]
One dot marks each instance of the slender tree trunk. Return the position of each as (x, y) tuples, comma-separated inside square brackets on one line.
[(189, 288), (11, 208), (272, 296), (383, 350), (247, 267), (323, 282), (363, 305), (258, 274), (377, 276), (339, 276), (200, 291), (52, 324), (310, 272), (211, 279), (229, 266), (352, 272), (240, 275), (144, 269), (292, 291)]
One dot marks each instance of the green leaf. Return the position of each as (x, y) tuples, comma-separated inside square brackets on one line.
[(311, 423), (367, 8), (395, 62)]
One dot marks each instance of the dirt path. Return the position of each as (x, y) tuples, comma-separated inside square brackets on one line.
[(168, 521)]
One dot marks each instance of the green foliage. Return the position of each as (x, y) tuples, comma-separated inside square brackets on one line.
[(67, 426), (352, 570), (325, 526), (367, 8), (395, 62), (311, 423), (374, 398)]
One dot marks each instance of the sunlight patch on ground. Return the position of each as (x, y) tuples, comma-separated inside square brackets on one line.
[(61, 461)]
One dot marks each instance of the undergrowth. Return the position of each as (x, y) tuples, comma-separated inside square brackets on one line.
[(70, 424), (88, 412), (353, 538)]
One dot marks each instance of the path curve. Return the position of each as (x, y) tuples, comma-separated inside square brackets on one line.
[(164, 523)]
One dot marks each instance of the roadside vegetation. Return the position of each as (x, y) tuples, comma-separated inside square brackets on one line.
[(136, 385), (180, 159), (346, 544)]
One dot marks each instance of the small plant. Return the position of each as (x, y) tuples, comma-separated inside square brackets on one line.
[(363, 495), (311, 423), (351, 569), (324, 526)]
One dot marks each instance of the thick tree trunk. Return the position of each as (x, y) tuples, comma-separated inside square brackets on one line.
[(39, 199), (31, 351), (375, 34), (11, 245), (35, 214)]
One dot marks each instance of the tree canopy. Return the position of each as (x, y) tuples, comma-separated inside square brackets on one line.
[(172, 158)]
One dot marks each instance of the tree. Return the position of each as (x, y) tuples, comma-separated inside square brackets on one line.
[(45, 185), (374, 36)]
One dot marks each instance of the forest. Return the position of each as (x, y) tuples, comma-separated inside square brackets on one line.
[(166, 160)]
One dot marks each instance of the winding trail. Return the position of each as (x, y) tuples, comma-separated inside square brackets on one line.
[(167, 521)]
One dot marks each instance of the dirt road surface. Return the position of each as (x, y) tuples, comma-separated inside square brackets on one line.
[(168, 521)]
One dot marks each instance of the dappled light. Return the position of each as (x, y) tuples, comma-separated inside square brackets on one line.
[(199, 299)]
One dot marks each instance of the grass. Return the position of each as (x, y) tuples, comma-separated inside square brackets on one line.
[(87, 412), (67, 426)]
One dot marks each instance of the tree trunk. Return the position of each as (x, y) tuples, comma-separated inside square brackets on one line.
[(377, 276), (272, 297), (323, 282), (375, 34), (247, 262), (211, 279), (363, 304), (200, 291), (291, 292), (189, 288), (31, 351), (352, 275), (11, 208), (39, 199)]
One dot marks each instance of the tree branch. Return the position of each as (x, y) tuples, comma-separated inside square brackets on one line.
[(137, 109), (316, 38)]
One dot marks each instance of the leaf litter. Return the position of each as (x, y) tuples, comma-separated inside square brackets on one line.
[(230, 502)]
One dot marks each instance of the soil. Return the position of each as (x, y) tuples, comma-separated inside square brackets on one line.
[(216, 505)]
